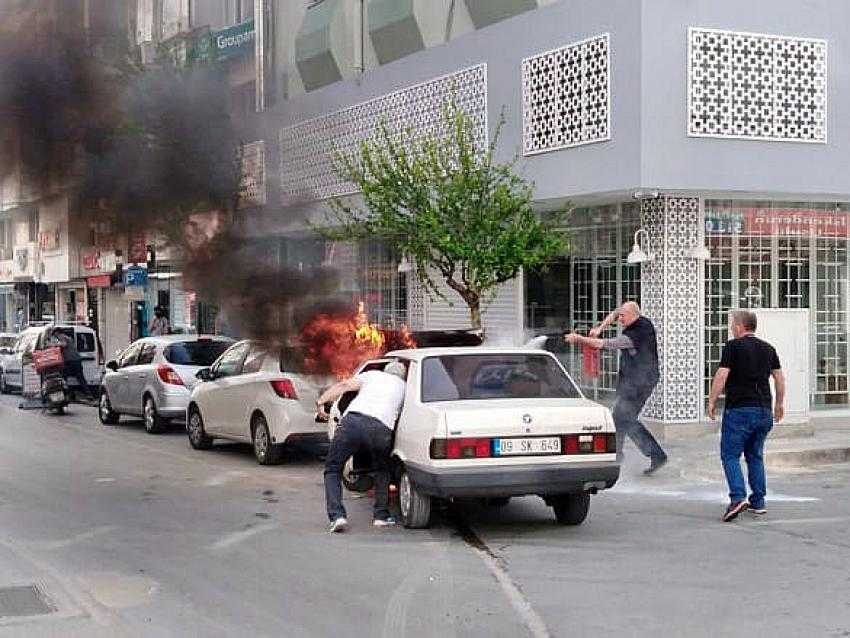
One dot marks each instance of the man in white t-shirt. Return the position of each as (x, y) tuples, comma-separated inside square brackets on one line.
[(367, 424)]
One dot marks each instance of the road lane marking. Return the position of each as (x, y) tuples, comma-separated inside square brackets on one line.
[(803, 521), (237, 537), (518, 600), (73, 540)]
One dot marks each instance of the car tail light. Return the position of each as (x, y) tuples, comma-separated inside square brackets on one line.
[(600, 443), (168, 375), (471, 448), (284, 388), (590, 443)]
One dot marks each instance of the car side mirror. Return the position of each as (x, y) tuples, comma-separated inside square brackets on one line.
[(204, 374), (112, 365)]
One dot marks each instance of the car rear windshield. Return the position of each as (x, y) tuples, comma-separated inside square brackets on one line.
[(494, 376), (195, 353)]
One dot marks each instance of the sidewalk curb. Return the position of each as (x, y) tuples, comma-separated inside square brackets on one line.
[(799, 458)]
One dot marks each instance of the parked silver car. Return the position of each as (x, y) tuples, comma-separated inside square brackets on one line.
[(154, 376)]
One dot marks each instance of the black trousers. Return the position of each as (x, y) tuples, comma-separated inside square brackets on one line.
[(630, 402), (358, 432)]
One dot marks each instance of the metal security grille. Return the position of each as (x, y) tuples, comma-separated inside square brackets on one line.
[(789, 267), (383, 290)]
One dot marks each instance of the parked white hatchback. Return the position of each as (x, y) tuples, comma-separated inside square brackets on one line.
[(496, 423), (153, 378), (255, 396)]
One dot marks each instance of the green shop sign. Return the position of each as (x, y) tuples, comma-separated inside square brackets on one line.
[(225, 44), (233, 41)]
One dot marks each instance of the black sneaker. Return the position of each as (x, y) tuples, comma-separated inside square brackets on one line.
[(733, 510), (758, 511), (655, 465)]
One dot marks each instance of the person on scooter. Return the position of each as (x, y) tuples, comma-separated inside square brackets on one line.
[(73, 363)]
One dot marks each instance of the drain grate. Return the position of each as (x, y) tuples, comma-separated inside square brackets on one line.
[(24, 600)]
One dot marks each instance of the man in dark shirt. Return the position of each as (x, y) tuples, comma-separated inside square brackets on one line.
[(638, 376), (746, 365)]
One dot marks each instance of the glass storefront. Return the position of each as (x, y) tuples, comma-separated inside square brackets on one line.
[(577, 291), (781, 255)]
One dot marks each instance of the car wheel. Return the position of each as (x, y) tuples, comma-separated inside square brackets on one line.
[(3, 387), (266, 452), (356, 482), (198, 437), (498, 501), (104, 410), (571, 509), (154, 424), (415, 506)]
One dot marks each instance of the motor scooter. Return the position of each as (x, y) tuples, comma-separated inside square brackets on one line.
[(54, 389)]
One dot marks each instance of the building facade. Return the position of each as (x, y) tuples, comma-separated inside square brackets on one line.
[(701, 124)]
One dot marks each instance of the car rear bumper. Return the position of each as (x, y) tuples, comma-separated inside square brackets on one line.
[(172, 405), (518, 480)]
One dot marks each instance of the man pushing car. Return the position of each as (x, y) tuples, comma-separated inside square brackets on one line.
[(367, 425)]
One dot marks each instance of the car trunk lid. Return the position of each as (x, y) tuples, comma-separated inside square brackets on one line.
[(515, 417)]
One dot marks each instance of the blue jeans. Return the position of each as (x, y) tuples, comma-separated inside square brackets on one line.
[(744, 431), (627, 409), (358, 432)]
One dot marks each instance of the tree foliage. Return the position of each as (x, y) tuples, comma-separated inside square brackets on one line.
[(443, 200)]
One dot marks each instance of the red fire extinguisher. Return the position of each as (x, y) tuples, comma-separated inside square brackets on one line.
[(590, 361)]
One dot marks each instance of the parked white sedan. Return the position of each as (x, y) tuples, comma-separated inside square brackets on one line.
[(497, 423), (257, 397)]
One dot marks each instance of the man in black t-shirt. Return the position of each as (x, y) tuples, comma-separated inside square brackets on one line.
[(746, 365), (639, 374)]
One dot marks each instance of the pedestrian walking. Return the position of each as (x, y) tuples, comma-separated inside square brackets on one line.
[(638, 376), (159, 325), (367, 424), (746, 365)]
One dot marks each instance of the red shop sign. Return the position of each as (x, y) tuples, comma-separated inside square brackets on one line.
[(794, 221), (91, 260), (99, 281)]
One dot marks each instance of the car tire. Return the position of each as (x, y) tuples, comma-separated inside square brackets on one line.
[(497, 501), (266, 452), (571, 509), (415, 506), (105, 412), (198, 438), (154, 424), (4, 389)]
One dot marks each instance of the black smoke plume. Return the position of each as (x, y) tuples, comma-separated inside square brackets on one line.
[(152, 150)]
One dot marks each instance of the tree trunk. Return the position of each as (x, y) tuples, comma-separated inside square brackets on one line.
[(475, 314)]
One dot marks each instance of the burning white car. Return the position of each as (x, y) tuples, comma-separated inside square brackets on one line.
[(496, 423)]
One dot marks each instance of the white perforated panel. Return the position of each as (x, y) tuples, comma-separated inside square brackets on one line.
[(307, 149), (566, 96), (753, 86), (670, 296)]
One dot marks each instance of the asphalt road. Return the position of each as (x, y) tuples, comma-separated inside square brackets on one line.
[(129, 534)]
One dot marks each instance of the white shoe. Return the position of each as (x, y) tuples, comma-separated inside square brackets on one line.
[(339, 525), (384, 522)]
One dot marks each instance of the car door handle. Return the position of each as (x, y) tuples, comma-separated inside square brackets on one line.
[(141, 376)]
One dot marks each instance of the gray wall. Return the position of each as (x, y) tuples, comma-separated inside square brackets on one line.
[(674, 161), (649, 146)]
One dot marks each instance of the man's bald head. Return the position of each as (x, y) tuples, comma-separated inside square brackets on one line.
[(628, 313)]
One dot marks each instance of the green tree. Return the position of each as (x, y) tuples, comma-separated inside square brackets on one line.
[(445, 202)]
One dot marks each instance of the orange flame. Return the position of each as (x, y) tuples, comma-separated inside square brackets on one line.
[(338, 344)]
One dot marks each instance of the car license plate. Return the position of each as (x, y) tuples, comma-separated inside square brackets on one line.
[(56, 397), (537, 445)]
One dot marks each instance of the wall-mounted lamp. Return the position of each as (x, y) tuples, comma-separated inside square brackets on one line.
[(646, 194), (638, 255), (404, 265)]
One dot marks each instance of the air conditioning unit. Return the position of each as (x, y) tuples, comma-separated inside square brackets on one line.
[(23, 261)]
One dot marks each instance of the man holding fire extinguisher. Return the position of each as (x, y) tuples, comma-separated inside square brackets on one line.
[(638, 376)]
